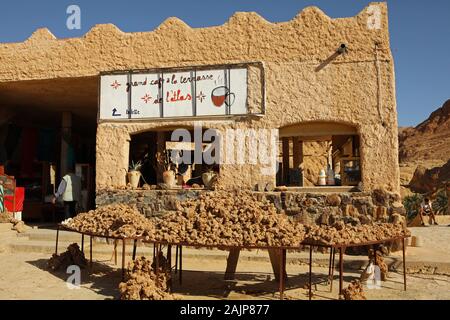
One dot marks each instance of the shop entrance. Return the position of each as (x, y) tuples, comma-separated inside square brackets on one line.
[(156, 153), (319, 154), (46, 128)]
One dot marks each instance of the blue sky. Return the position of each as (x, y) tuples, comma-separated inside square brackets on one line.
[(420, 32)]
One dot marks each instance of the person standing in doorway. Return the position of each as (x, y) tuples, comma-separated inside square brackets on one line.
[(70, 191)]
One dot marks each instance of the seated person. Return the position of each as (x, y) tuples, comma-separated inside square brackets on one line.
[(426, 208)]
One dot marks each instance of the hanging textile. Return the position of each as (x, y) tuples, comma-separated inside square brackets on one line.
[(2, 201)]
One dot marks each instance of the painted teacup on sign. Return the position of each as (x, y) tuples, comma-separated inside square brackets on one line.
[(222, 95)]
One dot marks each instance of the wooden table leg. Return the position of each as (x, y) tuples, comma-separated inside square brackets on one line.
[(176, 259), (232, 261), (282, 267), (274, 255), (115, 252), (329, 264), (332, 269), (310, 272), (181, 265), (123, 259), (341, 270), (282, 272), (90, 250), (169, 262), (134, 249), (57, 240), (404, 264), (157, 260)]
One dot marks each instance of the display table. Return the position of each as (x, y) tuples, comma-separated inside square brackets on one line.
[(341, 248), (157, 248)]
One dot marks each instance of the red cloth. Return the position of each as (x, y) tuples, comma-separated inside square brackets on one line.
[(20, 197)]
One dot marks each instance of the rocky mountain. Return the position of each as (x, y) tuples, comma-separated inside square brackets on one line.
[(430, 140), (424, 153)]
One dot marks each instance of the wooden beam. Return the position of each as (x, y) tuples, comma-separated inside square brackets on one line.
[(298, 157), (286, 160), (66, 125), (314, 138), (274, 255), (160, 147), (232, 262)]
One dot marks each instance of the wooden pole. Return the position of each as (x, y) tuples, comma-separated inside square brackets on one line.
[(404, 264), (341, 270), (134, 249), (281, 274), (310, 272), (232, 261), (285, 145), (123, 259), (66, 125)]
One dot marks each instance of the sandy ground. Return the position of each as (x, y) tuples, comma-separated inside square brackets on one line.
[(23, 276)]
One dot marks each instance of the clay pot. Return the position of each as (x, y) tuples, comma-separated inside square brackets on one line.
[(207, 178), (416, 241), (133, 178), (169, 178)]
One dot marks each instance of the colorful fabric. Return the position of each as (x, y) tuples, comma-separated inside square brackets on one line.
[(2, 200), (20, 198)]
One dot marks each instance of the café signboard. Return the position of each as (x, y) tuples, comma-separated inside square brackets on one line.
[(171, 94)]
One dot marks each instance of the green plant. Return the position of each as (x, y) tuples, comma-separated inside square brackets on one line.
[(440, 203), (135, 166), (412, 205)]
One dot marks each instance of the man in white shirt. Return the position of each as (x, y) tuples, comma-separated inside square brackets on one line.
[(426, 208), (70, 191)]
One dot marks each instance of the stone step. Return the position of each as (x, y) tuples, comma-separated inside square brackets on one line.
[(50, 235), (48, 247)]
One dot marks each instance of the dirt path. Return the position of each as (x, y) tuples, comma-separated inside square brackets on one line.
[(23, 276)]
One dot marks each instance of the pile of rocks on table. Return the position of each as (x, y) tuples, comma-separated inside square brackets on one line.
[(117, 220), (342, 234), (227, 218)]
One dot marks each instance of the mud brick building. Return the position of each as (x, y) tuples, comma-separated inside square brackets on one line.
[(326, 86)]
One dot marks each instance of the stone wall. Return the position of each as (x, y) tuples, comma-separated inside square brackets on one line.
[(308, 208)]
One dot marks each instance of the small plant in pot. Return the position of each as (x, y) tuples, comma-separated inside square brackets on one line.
[(162, 159), (134, 174)]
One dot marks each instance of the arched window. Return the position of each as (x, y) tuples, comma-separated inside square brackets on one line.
[(173, 149), (310, 149)]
